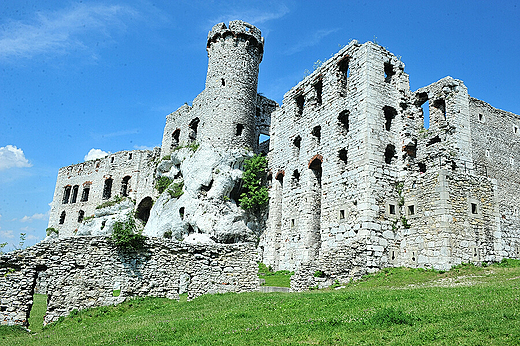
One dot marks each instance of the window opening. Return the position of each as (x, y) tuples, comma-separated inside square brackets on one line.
[(411, 210), (175, 138), (440, 106), (487, 153), (300, 102), (343, 119), (74, 194), (344, 71), (130, 156), (258, 112), (481, 117), (239, 130), (342, 154), (279, 177), (391, 209), (143, 209), (292, 223), (181, 213), (474, 209), (422, 167), (194, 124), (422, 101), (296, 177), (318, 87), (390, 114), (515, 129), (389, 72), (315, 166), (316, 132), (341, 214), (389, 153), (223, 82), (107, 189), (81, 215), (62, 217), (66, 195), (297, 142), (85, 193), (112, 159), (411, 149), (124, 186)]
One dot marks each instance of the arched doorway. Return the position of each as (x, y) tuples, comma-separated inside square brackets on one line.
[(143, 209)]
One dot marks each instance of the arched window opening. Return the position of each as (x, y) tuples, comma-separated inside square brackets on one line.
[(107, 189), (315, 166), (74, 194), (62, 217), (85, 193), (66, 194), (390, 114), (175, 138), (81, 215), (194, 125), (124, 186), (143, 209)]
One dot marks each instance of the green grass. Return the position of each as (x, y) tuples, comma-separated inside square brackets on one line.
[(38, 312), (465, 306), (281, 278)]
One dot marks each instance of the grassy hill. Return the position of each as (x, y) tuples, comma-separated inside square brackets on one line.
[(465, 306)]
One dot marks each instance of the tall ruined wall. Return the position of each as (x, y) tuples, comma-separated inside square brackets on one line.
[(327, 155), (496, 153), (83, 272), (82, 187)]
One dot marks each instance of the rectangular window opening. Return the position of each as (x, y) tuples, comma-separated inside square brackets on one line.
[(318, 87), (474, 209), (411, 210), (391, 209), (300, 102), (342, 214)]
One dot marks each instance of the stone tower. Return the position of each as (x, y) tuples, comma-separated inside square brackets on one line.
[(231, 85)]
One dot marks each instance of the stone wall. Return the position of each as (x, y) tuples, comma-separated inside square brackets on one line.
[(83, 272), (82, 187)]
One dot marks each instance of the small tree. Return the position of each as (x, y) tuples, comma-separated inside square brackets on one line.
[(256, 195), (126, 237)]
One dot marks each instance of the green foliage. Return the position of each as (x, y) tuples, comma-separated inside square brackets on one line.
[(51, 230), (162, 183), (88, 218), (405, 223), (117, 199), (509, 263), (168, 234), (193, 146), (126, 237), (256, 194), (319, 274), (2, 246), (167, 157), (176, 190), (281, 278), (116, 293)]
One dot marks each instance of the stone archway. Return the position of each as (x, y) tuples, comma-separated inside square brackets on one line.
[(143, 209)]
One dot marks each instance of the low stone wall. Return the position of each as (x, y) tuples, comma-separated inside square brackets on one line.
[(84, 272)]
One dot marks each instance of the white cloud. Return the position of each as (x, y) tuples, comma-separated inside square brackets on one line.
[(252, 16), (141, 147), (310, 41), (11, 156), (95, 154), (7, 234), (60, 31), (37, 216)]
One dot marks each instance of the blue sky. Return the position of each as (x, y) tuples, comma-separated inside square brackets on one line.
[(83, 75)]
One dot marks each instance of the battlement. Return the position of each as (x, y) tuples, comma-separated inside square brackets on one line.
[(238, 29)]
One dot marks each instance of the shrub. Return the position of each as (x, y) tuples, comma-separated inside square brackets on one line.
[(168, 234), (51, 230), (162, 183), (176, 190), (126, 237), (117, 199), (319, 274), (256, 194)]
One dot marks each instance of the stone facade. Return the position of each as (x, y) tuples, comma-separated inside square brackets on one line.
[(83, 272)]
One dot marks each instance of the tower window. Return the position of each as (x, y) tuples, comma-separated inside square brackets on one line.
[(297, 142), (175, 138), (124, 186), (391, 209), (411, 209), (389, 153), (342, 214), (474, 208), (62, 217), (85, 193), (112, 159), (389, 72), (300, 102), (342, 154), (240, 129), (223, 82), (130, 156), (194, 125), (343, 71), (81, 215)]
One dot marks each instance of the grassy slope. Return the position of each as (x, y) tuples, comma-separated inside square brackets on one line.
[(467, 306)]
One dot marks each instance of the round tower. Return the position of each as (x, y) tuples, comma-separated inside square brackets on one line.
[(234, 55)]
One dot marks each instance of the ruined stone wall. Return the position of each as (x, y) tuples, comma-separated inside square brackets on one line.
[(496, 153), (83, 272), (138, 166)]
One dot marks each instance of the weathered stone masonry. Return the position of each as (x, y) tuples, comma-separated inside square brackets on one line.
[(83, 272)]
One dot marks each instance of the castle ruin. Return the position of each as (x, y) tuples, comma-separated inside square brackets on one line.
[(356, 183)]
